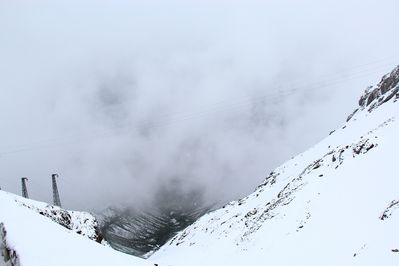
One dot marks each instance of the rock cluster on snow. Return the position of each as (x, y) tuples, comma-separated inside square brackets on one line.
[(82, 223), (384, 91), (8, 256)]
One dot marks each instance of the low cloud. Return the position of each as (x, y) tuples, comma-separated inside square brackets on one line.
[(123, 99)]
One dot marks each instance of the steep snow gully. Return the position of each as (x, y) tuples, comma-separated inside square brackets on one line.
[(335, 204)]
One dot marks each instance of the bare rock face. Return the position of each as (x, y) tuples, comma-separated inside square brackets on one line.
[(8, 257), (385, 90)]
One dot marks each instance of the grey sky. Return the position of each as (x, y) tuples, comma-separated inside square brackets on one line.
[(120, 97)]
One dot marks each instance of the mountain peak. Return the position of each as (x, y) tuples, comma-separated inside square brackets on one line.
[(385, 90)]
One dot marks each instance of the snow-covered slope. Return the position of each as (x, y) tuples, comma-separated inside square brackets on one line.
[(335, 204), (28, 238), (82, 223)]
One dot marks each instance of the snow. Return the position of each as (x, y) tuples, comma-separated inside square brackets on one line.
[(335, 204), (80, 222), (37, 240)]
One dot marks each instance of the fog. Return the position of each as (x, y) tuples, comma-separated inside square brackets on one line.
[(125, 98)]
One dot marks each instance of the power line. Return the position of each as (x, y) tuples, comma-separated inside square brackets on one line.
[(218, 107)]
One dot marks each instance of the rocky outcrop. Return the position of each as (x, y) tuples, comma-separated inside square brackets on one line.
[(394, 205), (8, 256), (82, 223), (385, 90)]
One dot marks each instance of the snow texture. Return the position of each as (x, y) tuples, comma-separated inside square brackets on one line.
[(28, 238), (335, 204), (82, 223)]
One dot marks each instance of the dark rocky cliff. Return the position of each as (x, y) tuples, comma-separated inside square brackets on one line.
[(384, 91)]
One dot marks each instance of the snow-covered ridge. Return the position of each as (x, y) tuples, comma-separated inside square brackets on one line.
[(384, 91), (28, 238), (82, 223), (335, 204)]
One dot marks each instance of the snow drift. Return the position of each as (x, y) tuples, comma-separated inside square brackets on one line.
[(33, 233), (335, 204)]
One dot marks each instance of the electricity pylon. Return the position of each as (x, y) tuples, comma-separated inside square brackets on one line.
[(24, 189), (56, 195)]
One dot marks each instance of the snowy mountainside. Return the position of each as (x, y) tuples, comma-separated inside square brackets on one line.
[(28, 238), (385, 90), (141, 231), (335, 204), (82, 223)]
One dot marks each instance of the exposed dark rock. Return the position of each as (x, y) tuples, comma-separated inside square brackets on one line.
[(389, 210), (64, 218), (363, 147), (384, 91), (350, 116), (8, 255)]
